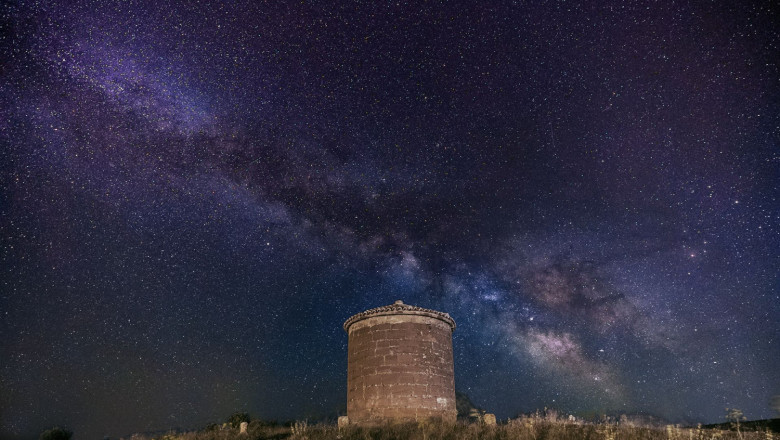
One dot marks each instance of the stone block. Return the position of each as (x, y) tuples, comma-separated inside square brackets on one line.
[(242, 427), (343, 421), (489, 419)]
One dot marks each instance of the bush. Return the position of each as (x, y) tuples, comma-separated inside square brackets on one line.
[(235, 419), (56, 434), (211, 427)]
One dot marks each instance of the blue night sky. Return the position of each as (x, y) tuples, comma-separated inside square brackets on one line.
[(195, 196)]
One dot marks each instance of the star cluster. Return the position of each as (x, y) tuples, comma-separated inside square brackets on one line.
[(197, 195)]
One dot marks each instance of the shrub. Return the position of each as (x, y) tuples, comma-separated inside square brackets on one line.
[(235, 419), (56, 434)]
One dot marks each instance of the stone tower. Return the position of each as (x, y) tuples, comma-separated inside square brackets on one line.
[(400, 365)]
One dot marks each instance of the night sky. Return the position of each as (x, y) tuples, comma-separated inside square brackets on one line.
[(195, 196)]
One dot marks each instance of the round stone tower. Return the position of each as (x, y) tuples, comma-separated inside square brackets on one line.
[(400, 365)]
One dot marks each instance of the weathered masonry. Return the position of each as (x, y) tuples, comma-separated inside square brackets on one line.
[(400, 365)]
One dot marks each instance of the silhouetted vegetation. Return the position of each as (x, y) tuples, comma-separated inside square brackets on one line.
[(465, 406), (56, 434), (236, 419)]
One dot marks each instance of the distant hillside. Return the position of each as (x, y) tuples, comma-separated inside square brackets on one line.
[(753, 425)]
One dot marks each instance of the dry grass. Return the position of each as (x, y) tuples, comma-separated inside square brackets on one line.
[(524, 428)]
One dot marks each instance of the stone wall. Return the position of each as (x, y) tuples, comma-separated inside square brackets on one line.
[(400, 368)]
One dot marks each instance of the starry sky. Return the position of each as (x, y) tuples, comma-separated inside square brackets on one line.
[(196, 195)]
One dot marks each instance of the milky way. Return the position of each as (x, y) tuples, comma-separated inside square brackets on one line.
[(197, 195)]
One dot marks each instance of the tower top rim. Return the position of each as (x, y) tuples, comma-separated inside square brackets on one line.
[(399, 308)]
